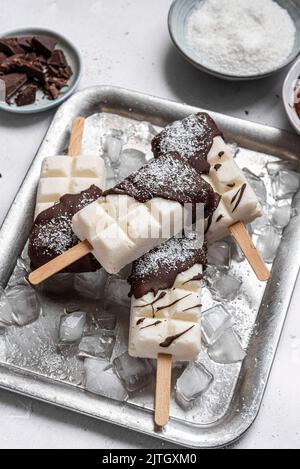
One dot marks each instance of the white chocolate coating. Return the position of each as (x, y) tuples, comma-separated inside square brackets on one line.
[(151, 324), (63, 174)]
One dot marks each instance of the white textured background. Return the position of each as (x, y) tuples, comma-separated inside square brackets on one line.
[(126, 43)]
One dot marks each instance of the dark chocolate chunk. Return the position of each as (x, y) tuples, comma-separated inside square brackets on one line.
[(170, 177), (158, 269), (52, 233), (44, 44), (27, 96), (20, 64), (191, 137), (25, 42), (58, 59), (217, 167), (13, 82), (10, 46)]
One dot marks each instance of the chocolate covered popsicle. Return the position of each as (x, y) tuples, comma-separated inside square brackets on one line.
[(52, 234), (166, 300), (142, 211), (199, 141)]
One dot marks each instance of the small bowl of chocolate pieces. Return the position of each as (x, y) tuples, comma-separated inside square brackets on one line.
[(39, 69)]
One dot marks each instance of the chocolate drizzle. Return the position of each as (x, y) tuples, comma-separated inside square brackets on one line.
[(219, 218), (238, 196), (191, 137), (222, 153), (232, 185), (169, 177), (157, 270), (161, 308), (194, 279), (140, 321), (169, 340), (160, 297), (192, 307), (217, 167), (52, 235), (151, 325)]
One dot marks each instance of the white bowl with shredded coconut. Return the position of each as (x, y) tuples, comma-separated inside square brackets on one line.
[(236, 39)]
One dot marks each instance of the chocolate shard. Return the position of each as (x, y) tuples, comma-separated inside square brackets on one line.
[(27, 96), (157, 270), (20, 64), (10, 46), (52, 233), (191, 137), (13, 82), (26, 43), (44, 44), (58, 59)]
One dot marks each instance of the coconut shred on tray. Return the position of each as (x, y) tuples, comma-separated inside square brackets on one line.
[(241, 37)]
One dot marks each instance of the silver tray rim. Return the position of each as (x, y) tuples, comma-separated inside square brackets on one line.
[(256, 368)]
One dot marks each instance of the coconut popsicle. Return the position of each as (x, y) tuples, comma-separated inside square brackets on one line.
[(166, 300), (199, 141), (142, 211), (69, 174)]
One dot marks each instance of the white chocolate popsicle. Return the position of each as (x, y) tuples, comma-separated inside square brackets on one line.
[(198, 140), (167, 320), (142, 211)]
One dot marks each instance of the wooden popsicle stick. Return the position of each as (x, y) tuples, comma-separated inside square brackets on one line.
[(60, 263), (76, 137), (163, 390), (241, 235)]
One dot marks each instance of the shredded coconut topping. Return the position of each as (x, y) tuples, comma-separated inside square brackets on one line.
[(167, 256), (240, 37), (187, 136)]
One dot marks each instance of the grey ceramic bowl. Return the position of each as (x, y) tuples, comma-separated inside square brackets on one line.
[(73, 58), (181, 10)]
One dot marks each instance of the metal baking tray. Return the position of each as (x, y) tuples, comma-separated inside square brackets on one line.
[(229, 408)]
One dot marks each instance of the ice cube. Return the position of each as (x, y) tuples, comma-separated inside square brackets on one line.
[(102, 320), (72, 326), (226, 287), (258, 225), (236, 252), (24, 303), (99, 379), (131, 160), (113, 147), (257, 185), (268, 243), (135, 373), (219, 255), (193, 382), (145, 131), (98, 345), (125, 272), (274, 167), (6, 312), (285, 184), (281, 214), (116, 291), (214, 322), (227, 349), (91, 284), (19, 275)]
